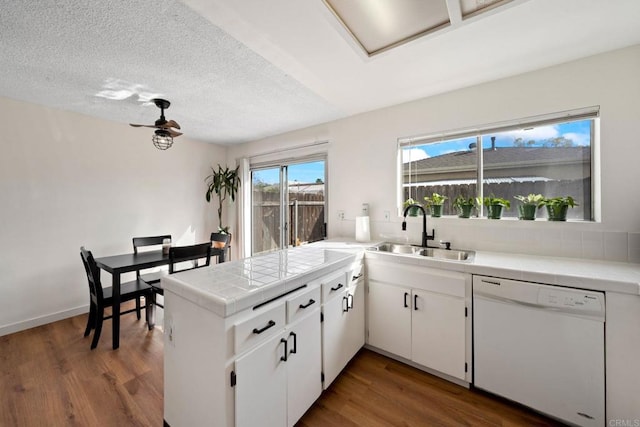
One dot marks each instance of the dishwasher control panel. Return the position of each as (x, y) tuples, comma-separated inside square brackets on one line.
[(575, 299)]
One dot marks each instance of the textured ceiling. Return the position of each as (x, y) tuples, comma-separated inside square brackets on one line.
[(242, 70)]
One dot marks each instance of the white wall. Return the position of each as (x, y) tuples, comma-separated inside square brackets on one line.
[(362, 158), (68, 180)]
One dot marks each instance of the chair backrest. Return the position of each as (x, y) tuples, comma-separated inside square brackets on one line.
[(220, 237), (148, 241), (189, 253), (93, 274)]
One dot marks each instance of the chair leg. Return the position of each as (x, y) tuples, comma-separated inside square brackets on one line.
[(138, 307), (151, 310), (91, 320), (99, 320)]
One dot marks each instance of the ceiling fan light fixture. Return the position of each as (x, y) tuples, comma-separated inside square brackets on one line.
[(162, 140)]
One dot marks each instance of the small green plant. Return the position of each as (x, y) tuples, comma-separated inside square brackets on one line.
[(435, 199), (528, 206), (493, 201), (464, 205), (531, 199), (410, 201), (494, 205), (557, 207)]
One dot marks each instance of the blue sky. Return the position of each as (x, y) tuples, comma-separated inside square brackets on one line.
[(301, 172), (579, 132)]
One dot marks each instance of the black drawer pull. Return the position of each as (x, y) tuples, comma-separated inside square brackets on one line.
[(310, 303), (356, 277), (337, 287), (269, 325), (294, 350), (406, 294), (286, 353), (415, 302), (345, 307)]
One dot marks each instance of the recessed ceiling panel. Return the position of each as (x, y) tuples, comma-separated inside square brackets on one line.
[(470, 7), (378, 25)]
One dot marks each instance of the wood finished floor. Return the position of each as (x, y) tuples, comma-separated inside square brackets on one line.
[(50, 377)]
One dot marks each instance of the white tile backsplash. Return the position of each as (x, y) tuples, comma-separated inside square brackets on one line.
[(616, 246)]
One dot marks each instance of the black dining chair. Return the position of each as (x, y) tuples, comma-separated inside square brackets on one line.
[(195, 254), (223, 240), (146, 242), (100, 298)]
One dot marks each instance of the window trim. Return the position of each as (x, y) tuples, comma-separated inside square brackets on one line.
[(585, 113)]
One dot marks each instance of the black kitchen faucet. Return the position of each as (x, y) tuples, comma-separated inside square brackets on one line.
[(425, 236)]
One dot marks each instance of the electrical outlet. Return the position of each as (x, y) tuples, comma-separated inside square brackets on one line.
[(341, 215), (387, 216)]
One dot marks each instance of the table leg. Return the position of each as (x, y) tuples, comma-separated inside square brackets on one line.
[(221, 255), (115, 320)]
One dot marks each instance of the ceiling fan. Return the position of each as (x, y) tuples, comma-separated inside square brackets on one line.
[(164, 134)]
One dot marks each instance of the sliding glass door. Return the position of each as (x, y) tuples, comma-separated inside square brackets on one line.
[(288, 204)]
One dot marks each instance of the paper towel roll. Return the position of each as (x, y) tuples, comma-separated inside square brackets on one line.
[(363, 234)]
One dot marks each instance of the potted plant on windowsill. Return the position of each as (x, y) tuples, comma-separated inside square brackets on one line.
[(464, 205), (557, 207), (414, 210), (529, 205), (494, 205), (435, 203), (224, 183)]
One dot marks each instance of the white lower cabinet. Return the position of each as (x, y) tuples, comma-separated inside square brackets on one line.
[(280, 379), (421, 314), (343, 321)]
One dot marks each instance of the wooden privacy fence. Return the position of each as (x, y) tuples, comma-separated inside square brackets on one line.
[(305, 217)]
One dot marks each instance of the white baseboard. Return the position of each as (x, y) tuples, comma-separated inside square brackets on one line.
[(43, 320)]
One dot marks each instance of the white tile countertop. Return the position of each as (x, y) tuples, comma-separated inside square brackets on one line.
[(233, 286), (571, 272)]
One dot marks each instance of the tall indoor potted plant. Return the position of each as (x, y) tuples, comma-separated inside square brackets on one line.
[(435, 203), (224, 183), (557, 207), (529, 205)]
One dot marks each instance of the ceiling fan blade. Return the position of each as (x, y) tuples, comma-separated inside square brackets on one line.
[(144, 126), (169, 124), (173, 133)]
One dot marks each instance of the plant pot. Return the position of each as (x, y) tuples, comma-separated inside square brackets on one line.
[(494, 211), (527, 212), (464, 211), (557, 212), (436, 211), (413, 211)]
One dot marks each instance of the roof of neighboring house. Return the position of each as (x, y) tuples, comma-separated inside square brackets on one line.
[(507, 155)]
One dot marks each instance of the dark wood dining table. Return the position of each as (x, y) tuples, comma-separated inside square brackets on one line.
[(126, 263)]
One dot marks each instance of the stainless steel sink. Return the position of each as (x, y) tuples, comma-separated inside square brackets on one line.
[(448, 254)]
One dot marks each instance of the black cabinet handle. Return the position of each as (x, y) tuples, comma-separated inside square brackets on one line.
[(269, 325), (310, 303), (415, 302), (350, 301), (294, 350), (406, 294), (337, 287), (345, 307), (284, 358), (356, 277)]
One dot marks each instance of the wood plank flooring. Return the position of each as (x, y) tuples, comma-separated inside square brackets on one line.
[(50, 377)]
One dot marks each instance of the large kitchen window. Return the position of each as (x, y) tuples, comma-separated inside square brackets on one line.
[(550, 155), (287, 204)]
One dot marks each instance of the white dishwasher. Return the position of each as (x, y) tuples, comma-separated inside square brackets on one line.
[(542, 346)]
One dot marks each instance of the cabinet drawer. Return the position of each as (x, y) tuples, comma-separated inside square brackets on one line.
[(302, 304), (334, 285), (254, 330)]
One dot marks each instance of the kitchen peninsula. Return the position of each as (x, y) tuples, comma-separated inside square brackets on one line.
[(230, 327)]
